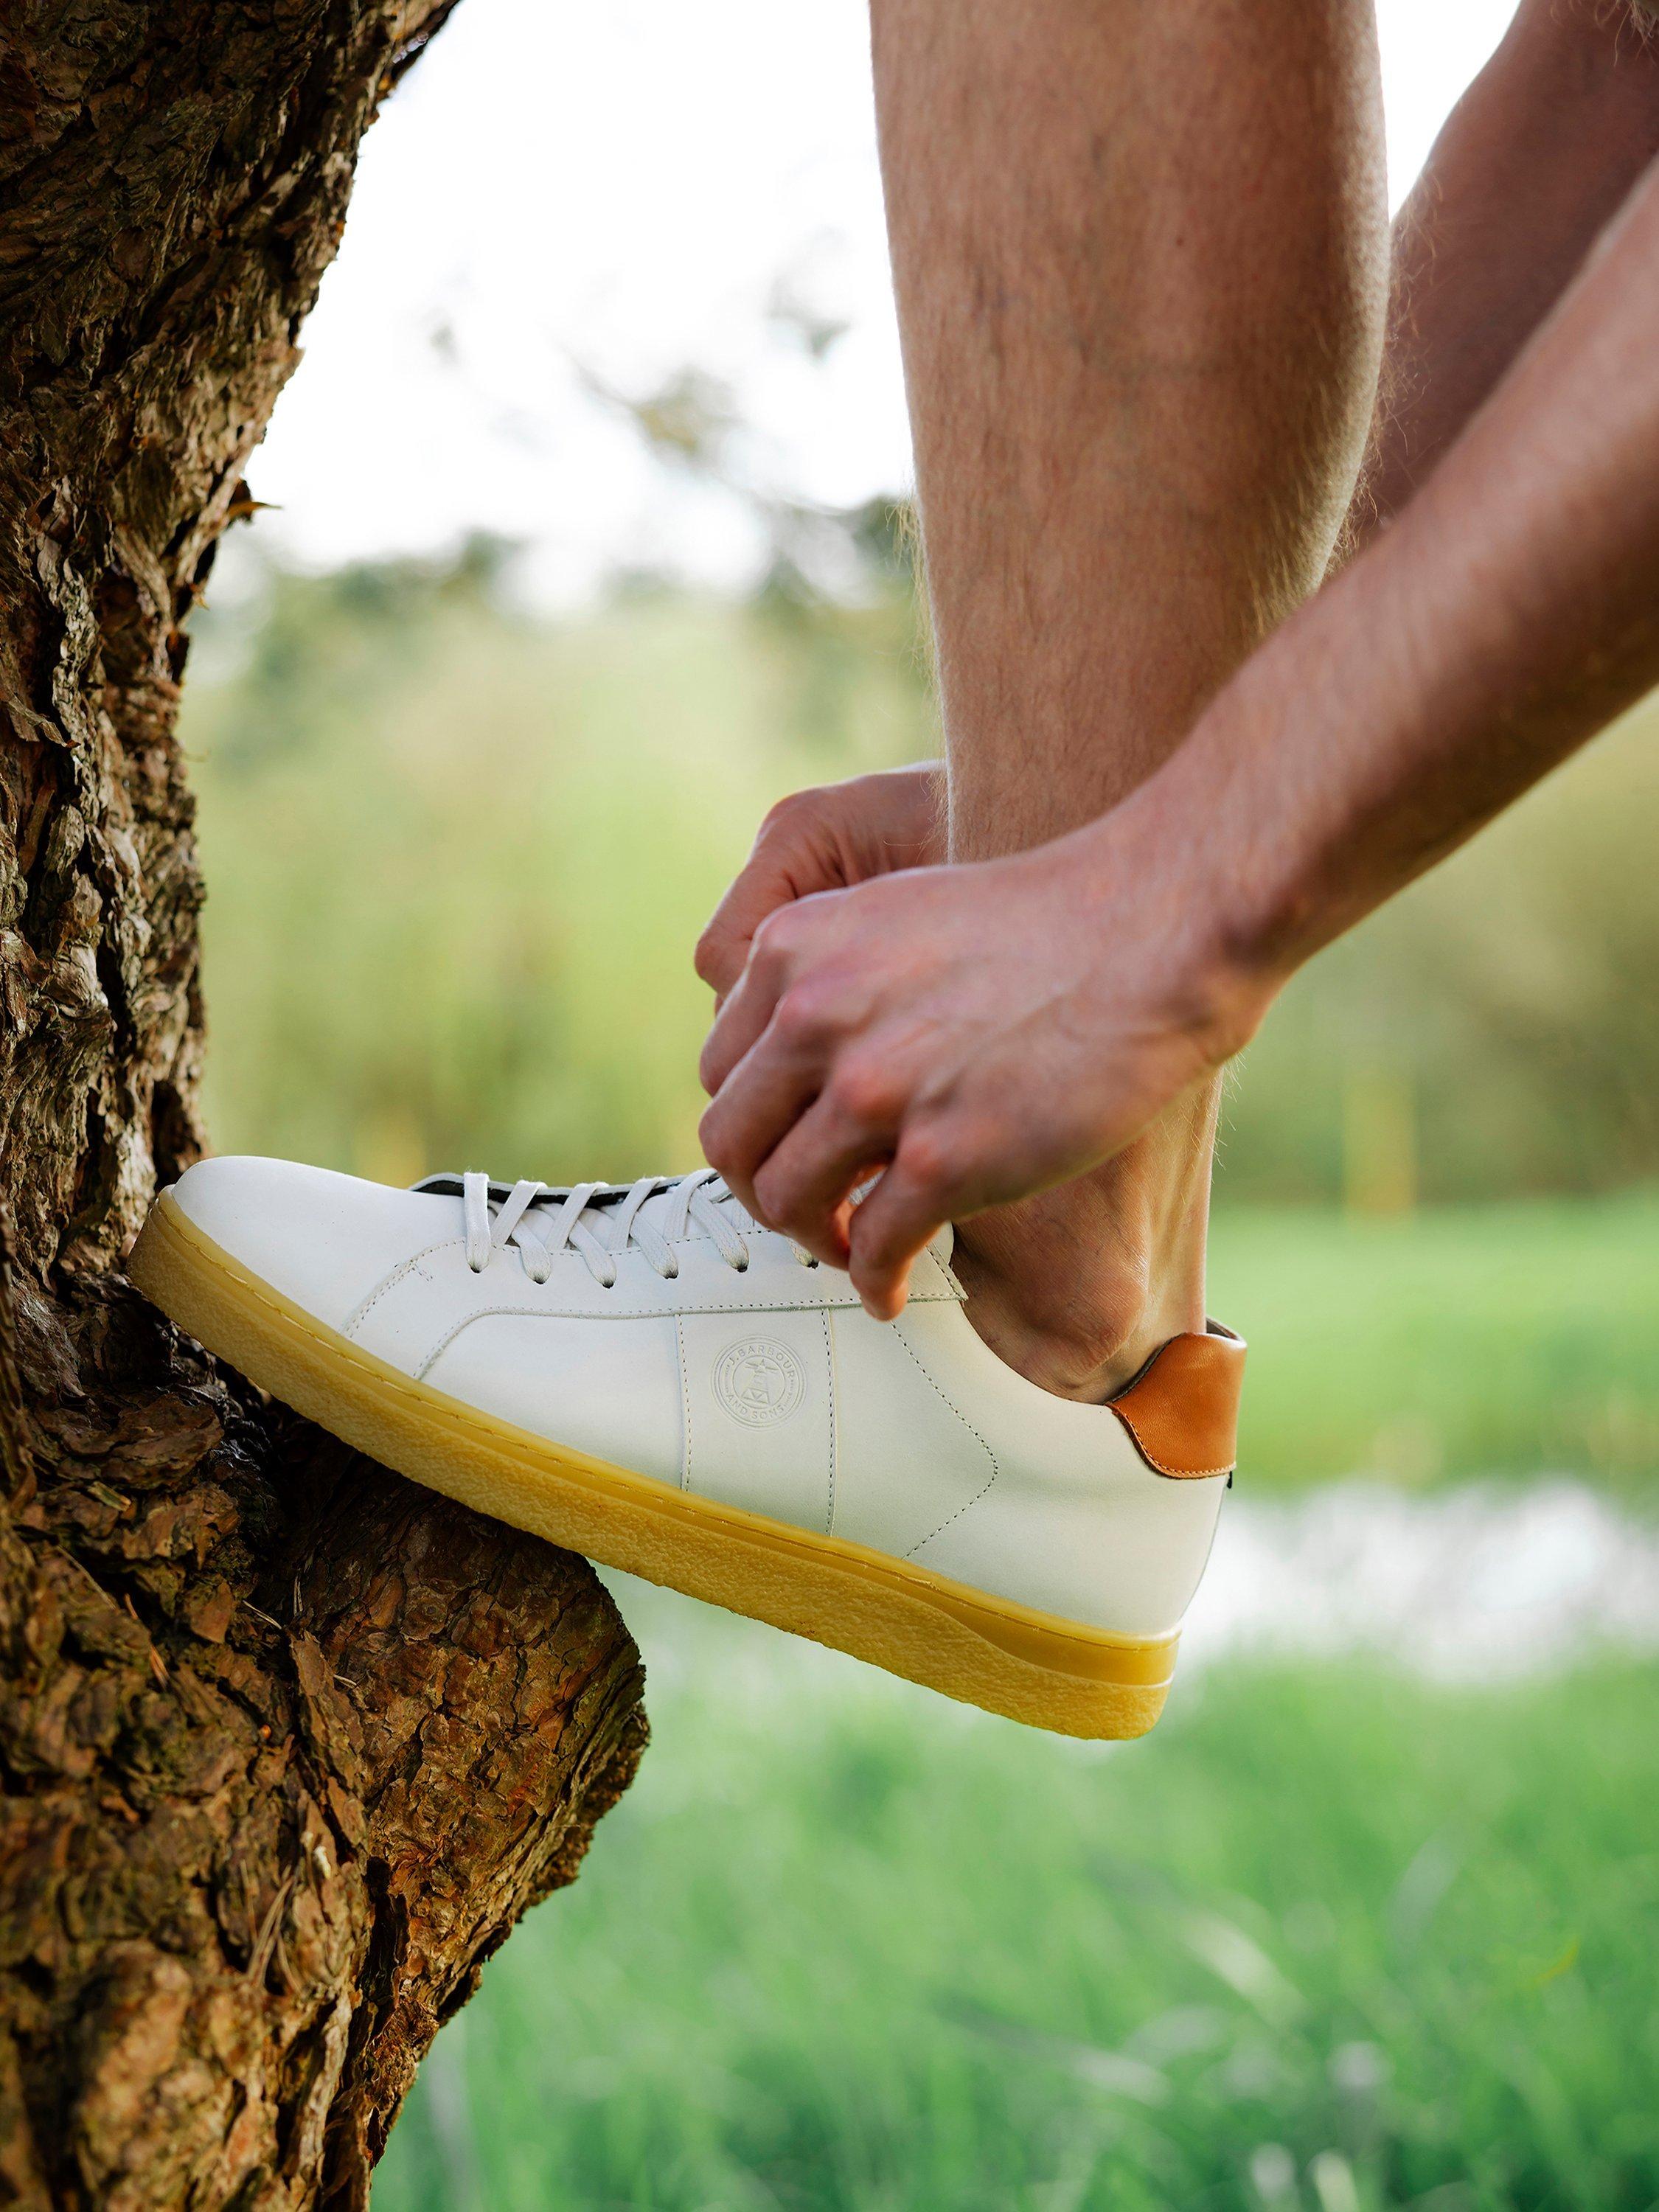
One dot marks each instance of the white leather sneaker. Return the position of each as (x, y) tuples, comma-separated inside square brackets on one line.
[(644, 1375)]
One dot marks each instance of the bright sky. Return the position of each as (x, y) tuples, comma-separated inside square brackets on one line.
[(560, 193)]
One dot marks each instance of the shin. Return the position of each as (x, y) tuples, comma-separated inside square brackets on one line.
[(1141, 255)]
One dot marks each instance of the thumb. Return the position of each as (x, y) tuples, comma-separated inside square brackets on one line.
[(889, 1231), (722, 950), (796, 854)]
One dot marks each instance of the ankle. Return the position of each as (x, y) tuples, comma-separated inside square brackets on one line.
[(1082, 1333)]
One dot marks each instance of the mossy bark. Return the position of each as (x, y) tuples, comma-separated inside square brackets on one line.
[(286, 1745)]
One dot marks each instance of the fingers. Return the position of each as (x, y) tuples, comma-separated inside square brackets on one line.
[(753, 1113), (798, 1119), (892, 1227), (794, 1167), (798, 851), (765, 885), (765, 1058), (822, 840), (802, 1188), (745, 1013)]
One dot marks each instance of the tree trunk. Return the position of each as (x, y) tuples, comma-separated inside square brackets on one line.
[(286, 1745)]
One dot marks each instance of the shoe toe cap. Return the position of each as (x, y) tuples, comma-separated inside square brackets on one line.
[(322, 1239)]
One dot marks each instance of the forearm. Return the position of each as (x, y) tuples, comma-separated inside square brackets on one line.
[(1534, 160), (1510, 612)]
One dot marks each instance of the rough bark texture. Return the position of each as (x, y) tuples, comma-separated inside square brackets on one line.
[(285, 1744)]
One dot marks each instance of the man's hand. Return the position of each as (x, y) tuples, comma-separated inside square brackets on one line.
[(975, 1034), (970, 1034), (821, 841)]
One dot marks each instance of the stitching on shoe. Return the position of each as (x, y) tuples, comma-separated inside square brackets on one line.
[(362, 1312), (628, 1313), (829, 1384), (685, 1405), (554, 1312), (972, 1431), (1175, 1473), (826, 1306)]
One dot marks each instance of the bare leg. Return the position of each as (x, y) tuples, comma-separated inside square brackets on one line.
[(1142, 265), (1534, 160)]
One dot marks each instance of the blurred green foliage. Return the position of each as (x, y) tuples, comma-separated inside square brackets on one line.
[(1511, 994), (458, 860), (1466, 1341), (1331, 1940)]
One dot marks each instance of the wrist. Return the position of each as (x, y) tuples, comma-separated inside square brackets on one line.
[(1242, 862), (1161, 889), (897, 817)]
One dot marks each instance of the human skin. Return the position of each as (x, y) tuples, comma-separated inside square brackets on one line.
[(1534, 161), (986, 1030), (1159, 385)]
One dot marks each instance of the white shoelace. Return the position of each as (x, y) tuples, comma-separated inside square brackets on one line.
[(599, 1221)]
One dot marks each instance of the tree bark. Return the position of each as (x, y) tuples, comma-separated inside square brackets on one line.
[(286, 1745)]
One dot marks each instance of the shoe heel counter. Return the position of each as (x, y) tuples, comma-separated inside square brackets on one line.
[(1180, 1411), (1104, 1514), (1124, 1553)]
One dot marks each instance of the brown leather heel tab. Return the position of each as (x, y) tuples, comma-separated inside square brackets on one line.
[(1182, 1408)]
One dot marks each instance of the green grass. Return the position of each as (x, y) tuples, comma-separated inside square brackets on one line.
[(1492, 1339), (1328, 1939)]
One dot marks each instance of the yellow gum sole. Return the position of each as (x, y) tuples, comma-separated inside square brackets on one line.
[(985, 1651)]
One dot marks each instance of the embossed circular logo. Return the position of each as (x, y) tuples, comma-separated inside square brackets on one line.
[(759, 1380)]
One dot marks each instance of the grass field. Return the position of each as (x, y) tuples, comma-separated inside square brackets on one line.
[(1462, 1342), (1334, 1941)]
